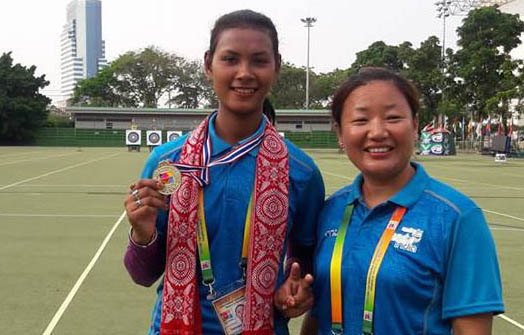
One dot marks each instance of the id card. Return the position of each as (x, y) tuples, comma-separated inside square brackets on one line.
[(230, 310)]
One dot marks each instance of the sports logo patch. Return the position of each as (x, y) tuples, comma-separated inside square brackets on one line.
[(407, 239)]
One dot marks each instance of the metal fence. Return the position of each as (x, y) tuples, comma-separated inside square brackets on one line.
[(74, 137)]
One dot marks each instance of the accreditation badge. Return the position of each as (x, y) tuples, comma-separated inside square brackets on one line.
[(230, 310), (169, 175)]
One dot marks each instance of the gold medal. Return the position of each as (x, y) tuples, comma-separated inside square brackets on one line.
[(169, 175)]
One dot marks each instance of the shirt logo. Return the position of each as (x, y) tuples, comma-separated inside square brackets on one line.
[(331, 233), (409, 240)]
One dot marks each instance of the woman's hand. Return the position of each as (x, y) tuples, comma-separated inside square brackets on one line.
[(295, 296), (142, 205)]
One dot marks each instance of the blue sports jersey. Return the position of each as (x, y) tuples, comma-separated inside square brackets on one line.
[(226, 200), (440, 264)]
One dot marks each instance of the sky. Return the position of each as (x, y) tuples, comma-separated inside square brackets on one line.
[(31, 28)]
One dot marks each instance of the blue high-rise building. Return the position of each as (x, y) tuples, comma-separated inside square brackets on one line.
[(82, 47)]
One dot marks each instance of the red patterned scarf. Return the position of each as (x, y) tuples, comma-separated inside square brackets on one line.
[(180, 302)]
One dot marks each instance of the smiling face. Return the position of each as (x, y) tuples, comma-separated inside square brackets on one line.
[(377, 130), (242, 68)]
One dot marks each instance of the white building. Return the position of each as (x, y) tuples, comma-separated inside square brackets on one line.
[(516, 7), (82, 47)]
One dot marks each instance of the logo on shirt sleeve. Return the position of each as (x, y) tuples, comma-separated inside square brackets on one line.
[(407, 239)]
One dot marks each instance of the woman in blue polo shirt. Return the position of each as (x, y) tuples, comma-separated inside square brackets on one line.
[(217, 209), (399, 252)]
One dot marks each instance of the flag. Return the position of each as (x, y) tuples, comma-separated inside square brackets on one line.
[(439, 123), (463, 129), (479, 129)]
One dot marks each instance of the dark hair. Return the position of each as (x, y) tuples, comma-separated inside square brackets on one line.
[(364, 77), (246, 18), (268, 109)]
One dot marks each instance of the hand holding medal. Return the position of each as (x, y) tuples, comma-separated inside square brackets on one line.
[(142, 204)]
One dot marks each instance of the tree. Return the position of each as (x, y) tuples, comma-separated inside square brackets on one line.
[(191, 88), (486, 38), (290, 89), (102, 90), (142, 78), (379, 54), (324, 86), (22, 108), (510, 89), (147, 75), (423, 68)]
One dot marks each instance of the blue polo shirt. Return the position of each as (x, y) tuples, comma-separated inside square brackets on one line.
[(226, 200), (441, 262)]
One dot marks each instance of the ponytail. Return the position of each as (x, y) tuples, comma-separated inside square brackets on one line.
[(269, 111)]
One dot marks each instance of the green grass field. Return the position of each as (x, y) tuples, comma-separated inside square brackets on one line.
[(59, 206)]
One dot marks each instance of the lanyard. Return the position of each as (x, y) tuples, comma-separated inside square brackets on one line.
[(374, 267), (203, 245)]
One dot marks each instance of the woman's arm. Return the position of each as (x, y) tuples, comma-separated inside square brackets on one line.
[(144, 263), (478, 324), (309, 325)]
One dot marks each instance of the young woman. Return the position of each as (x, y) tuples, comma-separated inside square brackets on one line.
[(245, 197), (399, 252)]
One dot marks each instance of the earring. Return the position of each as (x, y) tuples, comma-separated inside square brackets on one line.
[(341, 147)]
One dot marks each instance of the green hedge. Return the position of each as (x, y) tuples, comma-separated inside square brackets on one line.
[(316, 139), (72, 137)]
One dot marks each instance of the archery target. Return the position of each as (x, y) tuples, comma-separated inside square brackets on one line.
[(173, 135), (154, 137), (133, 137)]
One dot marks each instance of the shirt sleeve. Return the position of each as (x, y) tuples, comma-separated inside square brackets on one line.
[(472, 283), (146, 264), (143, 262), (310, 202)]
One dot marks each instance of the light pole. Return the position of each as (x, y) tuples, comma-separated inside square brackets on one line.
[(309, 23), (443, 11)]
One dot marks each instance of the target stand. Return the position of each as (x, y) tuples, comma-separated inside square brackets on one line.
[(154, 138), (133, 139), (173, 135), (500, 158)]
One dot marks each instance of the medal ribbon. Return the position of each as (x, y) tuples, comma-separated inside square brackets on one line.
[(374, 267), (201, 173), (203, 243)]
